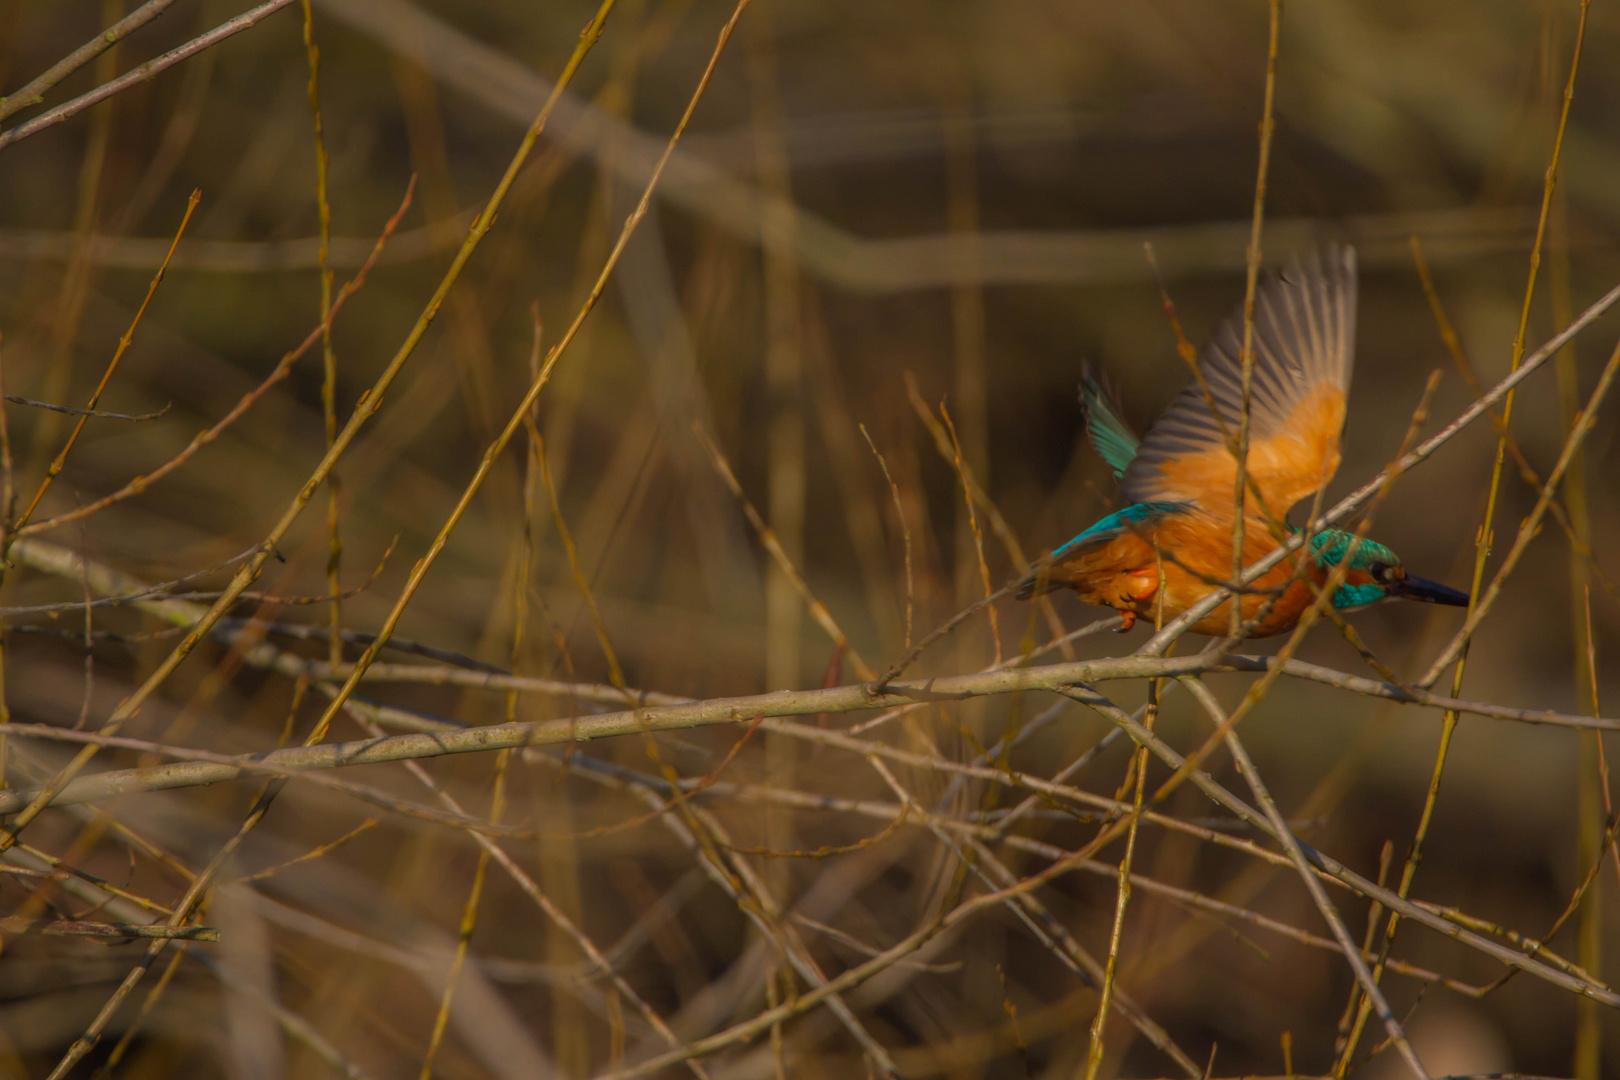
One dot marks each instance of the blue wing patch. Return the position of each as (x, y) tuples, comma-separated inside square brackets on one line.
[(1120, 523)]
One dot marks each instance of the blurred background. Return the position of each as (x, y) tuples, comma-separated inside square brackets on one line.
[(876, 209)]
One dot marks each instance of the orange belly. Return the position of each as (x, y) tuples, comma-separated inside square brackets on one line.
[(1126, 572)]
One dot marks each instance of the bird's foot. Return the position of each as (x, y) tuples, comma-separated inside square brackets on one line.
[(1127, 621)]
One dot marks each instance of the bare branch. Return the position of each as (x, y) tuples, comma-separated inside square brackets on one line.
[(140, 74), (33, 93)]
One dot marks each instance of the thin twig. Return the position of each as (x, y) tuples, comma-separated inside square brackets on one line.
[(249, 399), (71, 411), (140, 74), (1456, 650), (1296, 855), (973, 524), (33, 92), (1250, 282), (60, 460), (905, 530), (768, 538)]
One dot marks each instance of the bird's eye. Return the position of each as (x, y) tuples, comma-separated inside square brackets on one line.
[(1380, 572)]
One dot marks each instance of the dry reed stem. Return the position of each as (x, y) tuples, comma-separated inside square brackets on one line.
[(469, 924), (116, 1055), (365, 793), (69, 410), (323, 212), (1251, 278), (978, 536), (1138, 765), (8, 515), (905, 531), (1602, 758), (1592, 802), (77, 928), (575, 570), (783, 372), (942, 444)]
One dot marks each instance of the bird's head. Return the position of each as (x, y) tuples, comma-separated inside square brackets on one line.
[(1375, 573)]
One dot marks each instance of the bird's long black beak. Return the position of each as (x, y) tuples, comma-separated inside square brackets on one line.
[(1412, 587)]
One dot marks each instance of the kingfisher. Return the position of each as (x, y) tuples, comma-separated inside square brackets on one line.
[(1172, 543)]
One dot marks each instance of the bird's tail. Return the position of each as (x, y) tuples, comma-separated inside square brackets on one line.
[(1038, 582)]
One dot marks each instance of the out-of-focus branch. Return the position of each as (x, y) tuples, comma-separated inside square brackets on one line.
[(1055, 256), (701, 186)]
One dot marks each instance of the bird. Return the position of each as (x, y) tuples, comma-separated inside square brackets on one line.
[(1172, 544)]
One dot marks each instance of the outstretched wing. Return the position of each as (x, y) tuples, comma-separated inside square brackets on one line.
[(1304, 345), (1110, 435)]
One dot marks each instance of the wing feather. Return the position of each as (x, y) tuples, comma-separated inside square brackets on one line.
[(1110, 435), (1304, 348)]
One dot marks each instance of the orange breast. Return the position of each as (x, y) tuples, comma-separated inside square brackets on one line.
[(1191, 554)]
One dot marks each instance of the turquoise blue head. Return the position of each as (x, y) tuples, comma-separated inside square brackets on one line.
[(1375, 573)]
